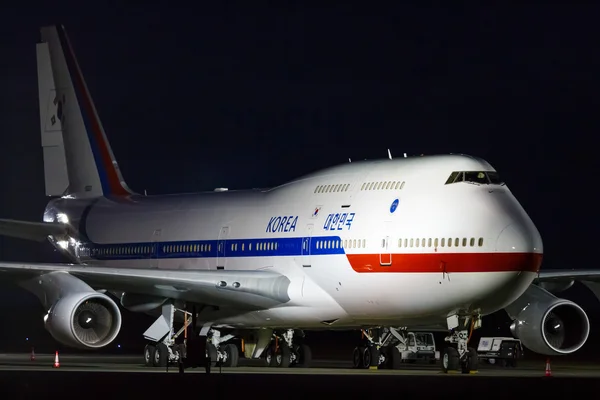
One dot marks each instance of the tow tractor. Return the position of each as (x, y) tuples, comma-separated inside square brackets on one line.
[(502, 350), (391, 347), (419, 346)]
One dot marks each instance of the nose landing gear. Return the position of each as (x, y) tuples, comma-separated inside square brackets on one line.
[(462, 357)]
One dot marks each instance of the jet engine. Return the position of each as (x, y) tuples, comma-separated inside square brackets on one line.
[(548, 325), (85, 320)]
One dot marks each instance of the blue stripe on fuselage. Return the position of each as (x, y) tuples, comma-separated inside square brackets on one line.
[(230, 248)]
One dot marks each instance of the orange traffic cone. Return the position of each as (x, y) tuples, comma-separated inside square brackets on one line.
[(56, 362), (32, 357), (548, 369)]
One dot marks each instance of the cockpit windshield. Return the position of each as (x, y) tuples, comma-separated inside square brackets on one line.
[(477, 177)]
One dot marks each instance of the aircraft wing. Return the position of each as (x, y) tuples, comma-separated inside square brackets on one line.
[(561, 279), (243, 290), (37, 231), (569, 274)]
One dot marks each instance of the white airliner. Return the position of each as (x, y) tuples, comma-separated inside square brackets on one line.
[(432, 242)]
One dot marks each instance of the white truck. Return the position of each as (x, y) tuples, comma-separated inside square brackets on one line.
[(504, 351), (395, 347), (417, 346)]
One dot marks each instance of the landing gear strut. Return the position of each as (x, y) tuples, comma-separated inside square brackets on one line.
[(287, 349), (462, 357), (163, 349)]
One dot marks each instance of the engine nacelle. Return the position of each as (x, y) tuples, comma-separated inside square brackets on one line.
[(84, 320), (557, 327)]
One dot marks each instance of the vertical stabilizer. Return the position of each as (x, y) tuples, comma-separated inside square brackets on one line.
[(55, 162), (66, 107)]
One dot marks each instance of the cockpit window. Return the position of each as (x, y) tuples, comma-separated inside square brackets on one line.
[(494, 178), (452, 177), (478, 177)]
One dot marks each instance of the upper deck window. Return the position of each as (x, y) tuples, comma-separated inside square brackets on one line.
[(478, 177)]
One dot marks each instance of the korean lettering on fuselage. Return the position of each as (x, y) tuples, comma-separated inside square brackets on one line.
[(338, 221)]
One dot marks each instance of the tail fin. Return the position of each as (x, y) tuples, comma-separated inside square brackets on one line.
[(78, 159)]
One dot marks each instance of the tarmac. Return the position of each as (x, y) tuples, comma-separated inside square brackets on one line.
[(117, 376)]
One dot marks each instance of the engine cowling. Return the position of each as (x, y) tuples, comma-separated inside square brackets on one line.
[(84, 320), (557, 327)]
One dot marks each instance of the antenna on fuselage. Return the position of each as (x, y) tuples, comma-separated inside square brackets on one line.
[(404, 155), (389, 154)]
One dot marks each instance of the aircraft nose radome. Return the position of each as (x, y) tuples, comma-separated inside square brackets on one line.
[(517, 238)]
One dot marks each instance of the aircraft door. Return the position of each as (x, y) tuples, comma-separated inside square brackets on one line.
[(306, 243), (385, 255), (222, 247)]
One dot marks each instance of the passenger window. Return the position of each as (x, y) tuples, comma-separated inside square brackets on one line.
[(354, 243), (399, 242), (402, 185), (480, 241), (379, 185), (449, 242), (411, 242), (387, 185), (435, 243), (443, 242), (417, 242), (363, 186), (364, 243), (405, 242), (429, 242), (464, 242), (396, 185), (456, 242), (472, 242)]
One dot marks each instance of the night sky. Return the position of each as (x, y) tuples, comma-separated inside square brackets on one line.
[(243, 96)]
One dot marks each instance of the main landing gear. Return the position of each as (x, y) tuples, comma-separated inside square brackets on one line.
[(462, 357), (287, 349), (165, 348), (281, 348)]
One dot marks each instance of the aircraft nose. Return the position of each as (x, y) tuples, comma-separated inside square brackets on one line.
[(518, 238)]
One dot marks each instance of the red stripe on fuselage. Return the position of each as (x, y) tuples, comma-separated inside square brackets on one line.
[(446, 262), (111, 173)]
